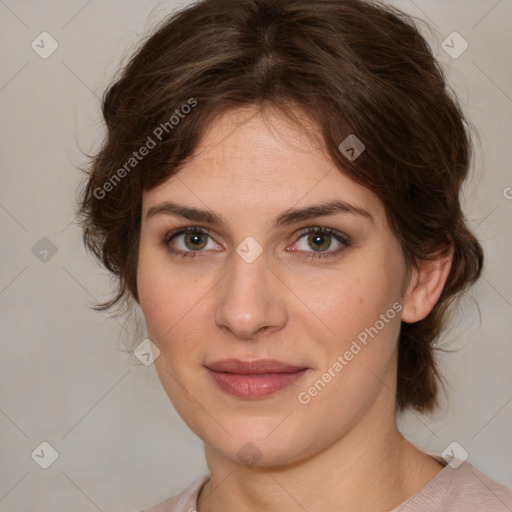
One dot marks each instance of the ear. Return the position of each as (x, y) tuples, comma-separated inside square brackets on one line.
[(426, 284)]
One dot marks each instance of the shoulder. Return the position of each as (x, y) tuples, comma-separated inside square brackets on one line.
[(473, 490), (185, 501), (460, 489)]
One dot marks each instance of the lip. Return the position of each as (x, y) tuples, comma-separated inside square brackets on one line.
[(254, 379)]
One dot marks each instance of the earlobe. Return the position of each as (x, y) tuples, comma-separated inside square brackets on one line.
[(426, 285)]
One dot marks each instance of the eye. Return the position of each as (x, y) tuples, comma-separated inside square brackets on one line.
[(189, 242), (194, 241), (325, 242)]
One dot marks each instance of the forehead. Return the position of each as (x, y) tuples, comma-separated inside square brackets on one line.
[(250, 157)]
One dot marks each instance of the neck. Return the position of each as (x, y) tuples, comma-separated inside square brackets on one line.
[(368, 469)]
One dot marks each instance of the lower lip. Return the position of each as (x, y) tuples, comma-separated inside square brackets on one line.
[(254, 386)]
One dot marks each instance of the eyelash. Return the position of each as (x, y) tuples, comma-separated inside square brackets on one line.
[(340, 237)]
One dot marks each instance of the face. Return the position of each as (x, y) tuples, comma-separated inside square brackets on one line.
[(261, 249)]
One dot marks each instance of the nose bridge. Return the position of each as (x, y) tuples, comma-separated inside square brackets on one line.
[(249, 300)]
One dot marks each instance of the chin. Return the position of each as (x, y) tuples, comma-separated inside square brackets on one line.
[(257, 441)]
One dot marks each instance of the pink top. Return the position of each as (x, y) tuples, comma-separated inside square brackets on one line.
[(464, 489)]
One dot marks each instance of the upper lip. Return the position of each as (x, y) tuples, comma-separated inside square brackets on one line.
[(254, 367)]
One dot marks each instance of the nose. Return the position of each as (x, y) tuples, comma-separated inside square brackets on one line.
[(251, 300)]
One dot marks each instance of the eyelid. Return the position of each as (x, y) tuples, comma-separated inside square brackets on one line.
[(322, 229), (183, 231), (186, 229), (342, 238)]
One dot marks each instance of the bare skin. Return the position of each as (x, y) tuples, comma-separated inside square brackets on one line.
[(340, 448)]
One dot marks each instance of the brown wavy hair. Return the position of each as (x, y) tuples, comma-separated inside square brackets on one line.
[(353, 67)]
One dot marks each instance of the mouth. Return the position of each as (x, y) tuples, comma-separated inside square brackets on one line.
[(254, 379)]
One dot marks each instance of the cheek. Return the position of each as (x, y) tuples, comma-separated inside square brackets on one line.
[(173, 302), (353, 298), (160, 296), (172, 308)]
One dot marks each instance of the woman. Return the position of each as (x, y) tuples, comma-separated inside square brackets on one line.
[(279, 192)]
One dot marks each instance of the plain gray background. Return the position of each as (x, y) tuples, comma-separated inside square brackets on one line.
[(64, 377)]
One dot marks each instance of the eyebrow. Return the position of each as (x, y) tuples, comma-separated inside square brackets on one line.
[(288, 217)]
